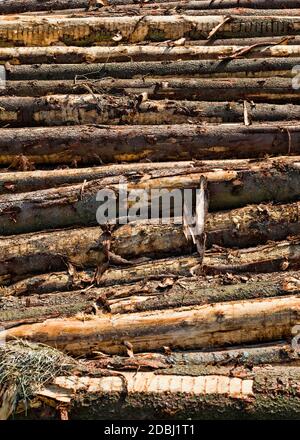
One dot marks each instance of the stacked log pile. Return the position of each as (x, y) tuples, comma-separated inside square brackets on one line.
[(142, 319)]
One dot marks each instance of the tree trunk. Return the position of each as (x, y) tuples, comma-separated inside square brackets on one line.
[(162, 272), (265, 68), (194, 327), (101, 109), (141, 297), (258, 90), (18, 6), (53, 251), (25, 181), (214, 170), (67, 206), (41, 31), (123, 53), (272, 353), (171, 8), (264, 393), (106, 144)]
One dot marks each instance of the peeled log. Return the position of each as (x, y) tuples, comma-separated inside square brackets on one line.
[(265, 68), (46, 31), (100, 109), (213, 325), (258, 90), (106, 144), (142, 297)]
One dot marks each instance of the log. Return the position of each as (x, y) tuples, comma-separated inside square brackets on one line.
[(101, 109), (262, 68), (123, 53), (26, 255), (272, 353), (264, 393), (42, 31), (12, 182), (213, 325), (140, 274), (78, 205), (169, 8), (258, 90), (105, 144), (18, 6), (141, 297)]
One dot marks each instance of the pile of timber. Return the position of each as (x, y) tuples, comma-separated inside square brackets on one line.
[(149, 321)]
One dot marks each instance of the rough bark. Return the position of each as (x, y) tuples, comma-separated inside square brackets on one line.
[(141, 297), (67, 206), (257, 90), (103, 109), (106, 144), (265, 68)]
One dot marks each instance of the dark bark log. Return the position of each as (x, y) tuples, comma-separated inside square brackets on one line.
[(106, 144), (19, 6), (77, 205), (141, 297), (101, 109), (266, 67), (257, 90)]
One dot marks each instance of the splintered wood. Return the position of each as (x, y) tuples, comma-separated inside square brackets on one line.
[(184, 301)]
